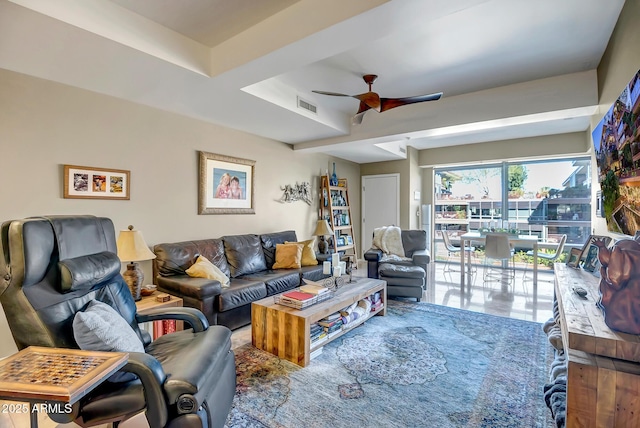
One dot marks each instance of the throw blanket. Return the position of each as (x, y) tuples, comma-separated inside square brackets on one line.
[(389, 240)]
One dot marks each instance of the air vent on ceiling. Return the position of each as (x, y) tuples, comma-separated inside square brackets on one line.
[(402, 149), (307, 106)]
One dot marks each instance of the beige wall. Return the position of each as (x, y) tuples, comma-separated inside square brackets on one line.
[(619, 64), (44, 125)]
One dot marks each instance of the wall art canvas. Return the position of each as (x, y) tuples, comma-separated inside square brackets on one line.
[(616, 142)]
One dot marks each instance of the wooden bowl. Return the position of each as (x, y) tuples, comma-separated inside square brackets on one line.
[(147, 290)]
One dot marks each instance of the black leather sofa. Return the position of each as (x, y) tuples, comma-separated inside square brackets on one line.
[(246, 259)]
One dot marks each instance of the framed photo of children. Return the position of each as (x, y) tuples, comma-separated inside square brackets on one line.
[(87, 182), (226, 185)]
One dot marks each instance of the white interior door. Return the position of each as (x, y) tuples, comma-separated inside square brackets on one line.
[(380, 204)]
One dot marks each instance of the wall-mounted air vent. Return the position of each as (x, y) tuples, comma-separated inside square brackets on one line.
[(307, 106)]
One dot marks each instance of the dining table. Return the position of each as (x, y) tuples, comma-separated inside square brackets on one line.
[(515, 240)]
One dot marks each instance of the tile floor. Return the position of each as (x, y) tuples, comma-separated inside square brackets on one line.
[(515, 301)]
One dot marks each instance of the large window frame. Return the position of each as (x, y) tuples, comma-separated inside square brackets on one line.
[(548, 217)]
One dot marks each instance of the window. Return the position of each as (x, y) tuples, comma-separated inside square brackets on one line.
[(544, 198)]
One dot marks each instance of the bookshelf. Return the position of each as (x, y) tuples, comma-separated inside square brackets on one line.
[(335, 208)]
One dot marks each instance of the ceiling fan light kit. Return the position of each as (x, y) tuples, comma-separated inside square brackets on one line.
[(372, 101)]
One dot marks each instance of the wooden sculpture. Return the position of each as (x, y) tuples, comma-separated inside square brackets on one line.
[(620, 284)]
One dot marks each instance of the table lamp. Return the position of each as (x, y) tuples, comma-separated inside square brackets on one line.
[(323, 229), (132, 249)]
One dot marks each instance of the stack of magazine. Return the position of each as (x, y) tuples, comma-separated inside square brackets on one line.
[(305, 296)]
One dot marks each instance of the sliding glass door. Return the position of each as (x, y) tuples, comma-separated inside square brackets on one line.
[(543, 198)]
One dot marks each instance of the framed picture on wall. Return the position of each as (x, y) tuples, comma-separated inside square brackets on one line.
[(225, 185), (88, 182)]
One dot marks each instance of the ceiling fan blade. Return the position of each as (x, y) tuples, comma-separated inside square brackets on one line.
[(371, 99), (357, 119), (363, 107), (333, 94), (389, 103)]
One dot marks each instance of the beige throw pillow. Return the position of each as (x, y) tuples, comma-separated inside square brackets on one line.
[(203, 268), (288, 256), (308, 253)]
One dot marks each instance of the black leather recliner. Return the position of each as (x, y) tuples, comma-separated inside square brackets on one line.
[(184, 379)]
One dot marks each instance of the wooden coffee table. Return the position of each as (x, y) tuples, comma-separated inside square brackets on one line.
[(284, 331)]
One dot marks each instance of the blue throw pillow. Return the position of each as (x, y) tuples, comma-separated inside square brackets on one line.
[(100, 328)]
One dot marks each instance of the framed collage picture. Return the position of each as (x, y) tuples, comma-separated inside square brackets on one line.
[(87, 182)]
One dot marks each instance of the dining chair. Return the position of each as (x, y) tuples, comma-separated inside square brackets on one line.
[(552, 257), (498, 248), (453, 251)]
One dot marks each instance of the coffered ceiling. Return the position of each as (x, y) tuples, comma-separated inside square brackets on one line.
[(508, 68)]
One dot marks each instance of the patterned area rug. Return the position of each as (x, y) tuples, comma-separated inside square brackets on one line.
[(421, 365)]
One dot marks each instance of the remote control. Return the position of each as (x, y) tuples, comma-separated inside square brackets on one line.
[(580, 291)]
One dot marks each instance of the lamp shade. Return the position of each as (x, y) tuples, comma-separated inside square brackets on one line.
[(323, 228), (132, 247)]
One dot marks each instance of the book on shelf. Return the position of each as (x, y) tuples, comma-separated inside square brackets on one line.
[(162, 327), (330, 323), (333, 328), (315, 353), (333, 316), (319, 339), (298, 295)]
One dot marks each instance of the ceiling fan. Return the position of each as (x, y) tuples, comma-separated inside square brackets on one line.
[(371, 100)]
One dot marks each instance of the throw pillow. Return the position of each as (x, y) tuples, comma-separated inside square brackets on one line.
[(100, 328), (308, 253), (288, 256), (203, 268)]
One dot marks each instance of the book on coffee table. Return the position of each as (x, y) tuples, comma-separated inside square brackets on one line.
[(298, 295), (313, 287)]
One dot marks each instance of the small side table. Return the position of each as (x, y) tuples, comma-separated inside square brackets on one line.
[(55, 376), (150, 302)]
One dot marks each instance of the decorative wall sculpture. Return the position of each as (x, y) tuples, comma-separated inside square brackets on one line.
[(297, 192)]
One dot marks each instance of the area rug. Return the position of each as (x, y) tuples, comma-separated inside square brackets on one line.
[(421, 365)]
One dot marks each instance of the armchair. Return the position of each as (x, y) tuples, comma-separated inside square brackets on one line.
[(405, 276), (52, 268)]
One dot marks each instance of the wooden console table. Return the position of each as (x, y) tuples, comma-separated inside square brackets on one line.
[(284, 331), (55, 376), (603, 377)]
